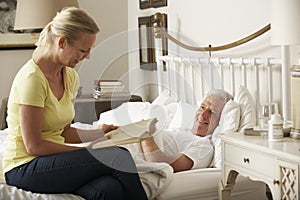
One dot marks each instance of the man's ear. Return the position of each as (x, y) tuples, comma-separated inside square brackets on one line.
[(62, 42)]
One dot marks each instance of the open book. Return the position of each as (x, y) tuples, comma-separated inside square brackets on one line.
[(130, 133)]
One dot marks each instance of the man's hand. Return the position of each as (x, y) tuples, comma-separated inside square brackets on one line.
[(107, 127), (153, 129)]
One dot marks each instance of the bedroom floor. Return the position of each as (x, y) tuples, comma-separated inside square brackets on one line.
[(268, 193)]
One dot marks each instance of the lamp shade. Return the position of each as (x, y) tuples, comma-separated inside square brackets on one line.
[(36, 14), (285, 22)]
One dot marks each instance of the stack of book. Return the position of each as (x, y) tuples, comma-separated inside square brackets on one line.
[(109, 88)]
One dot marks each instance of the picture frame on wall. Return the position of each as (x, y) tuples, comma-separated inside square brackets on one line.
[(147, 41), (159, 3), (9, 38), (144, 4), (17, 41), (146, 44)]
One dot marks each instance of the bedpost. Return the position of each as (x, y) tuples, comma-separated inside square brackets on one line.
[(286, 99)]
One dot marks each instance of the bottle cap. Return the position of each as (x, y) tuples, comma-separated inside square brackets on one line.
[(276, 118)]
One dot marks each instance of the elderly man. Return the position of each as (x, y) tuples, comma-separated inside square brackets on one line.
[(183, 150)]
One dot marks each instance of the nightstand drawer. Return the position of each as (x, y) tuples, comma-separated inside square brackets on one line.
[(251, 160)]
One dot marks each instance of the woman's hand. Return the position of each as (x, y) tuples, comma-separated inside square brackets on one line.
[(107, 127)]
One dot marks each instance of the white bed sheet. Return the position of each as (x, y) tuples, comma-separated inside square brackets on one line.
[(13, 193), (202, 184)]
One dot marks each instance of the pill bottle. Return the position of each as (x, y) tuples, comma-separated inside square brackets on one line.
[(275, 127)]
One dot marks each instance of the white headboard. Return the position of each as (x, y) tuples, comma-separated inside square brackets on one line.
[(190, 78)]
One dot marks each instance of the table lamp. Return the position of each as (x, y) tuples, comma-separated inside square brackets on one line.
[(36, 14), (285, 31)]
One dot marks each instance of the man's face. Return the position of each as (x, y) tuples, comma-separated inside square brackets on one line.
[(208, 116)]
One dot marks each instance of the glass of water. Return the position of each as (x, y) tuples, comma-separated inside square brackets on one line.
[(264, 115)]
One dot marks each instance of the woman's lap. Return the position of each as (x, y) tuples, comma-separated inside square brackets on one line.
[(71, 171)]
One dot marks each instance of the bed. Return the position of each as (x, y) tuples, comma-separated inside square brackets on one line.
[(250, 82), (175, 108)]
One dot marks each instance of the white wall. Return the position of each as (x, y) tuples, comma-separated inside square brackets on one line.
[(215, 22), (108, 60), (112, 19), (10, 64)]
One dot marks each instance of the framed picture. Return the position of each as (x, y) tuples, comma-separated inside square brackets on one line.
[(17, 41), (10, 39), (159, 3), (144, 4), (147, 42)]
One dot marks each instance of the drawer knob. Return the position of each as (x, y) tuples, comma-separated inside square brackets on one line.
[(246, 160), (276, 182)]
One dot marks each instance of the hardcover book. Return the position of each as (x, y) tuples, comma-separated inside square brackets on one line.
[(131, 133), (108, 82)]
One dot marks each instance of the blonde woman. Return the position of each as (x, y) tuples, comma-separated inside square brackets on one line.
[(40, 110)]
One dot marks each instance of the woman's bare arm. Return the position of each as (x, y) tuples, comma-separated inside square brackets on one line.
[(31, 119)]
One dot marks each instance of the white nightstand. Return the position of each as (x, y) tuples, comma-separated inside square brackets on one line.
[(275, 163)]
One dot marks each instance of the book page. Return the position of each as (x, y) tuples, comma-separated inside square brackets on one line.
[(130, 133), (139, 129)]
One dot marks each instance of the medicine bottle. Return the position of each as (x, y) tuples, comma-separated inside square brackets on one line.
[(275, 127)]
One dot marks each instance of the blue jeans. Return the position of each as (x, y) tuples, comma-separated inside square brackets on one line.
[(105, 173)]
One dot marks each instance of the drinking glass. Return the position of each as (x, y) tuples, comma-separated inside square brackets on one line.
[(264, 115)]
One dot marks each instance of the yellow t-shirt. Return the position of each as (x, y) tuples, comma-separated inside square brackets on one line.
[(30, 87)]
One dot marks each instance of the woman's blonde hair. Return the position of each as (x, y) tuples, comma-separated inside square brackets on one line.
[(70, 22)]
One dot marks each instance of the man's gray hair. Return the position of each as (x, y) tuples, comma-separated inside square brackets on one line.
[(220, 94)]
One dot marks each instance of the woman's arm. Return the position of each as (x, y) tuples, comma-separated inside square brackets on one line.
[(31, 120), (31, 128), (74, 135)]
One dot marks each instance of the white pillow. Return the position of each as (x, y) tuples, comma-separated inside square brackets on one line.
[(126, 113), (171, 108), (130, 112), (229, 122), (164, 114), (248, 113), (184, 116), (164, 98)]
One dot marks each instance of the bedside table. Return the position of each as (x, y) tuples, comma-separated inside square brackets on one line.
[(88, 109), (275, 163)]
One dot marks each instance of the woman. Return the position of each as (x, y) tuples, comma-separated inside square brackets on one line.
[(40, 111)]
